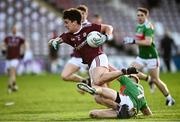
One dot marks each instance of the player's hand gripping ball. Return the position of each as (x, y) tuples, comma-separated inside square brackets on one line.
[(95, 39)]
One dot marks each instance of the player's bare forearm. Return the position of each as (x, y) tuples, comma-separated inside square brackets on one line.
[(107, 29), (146, 111), (146, 42)]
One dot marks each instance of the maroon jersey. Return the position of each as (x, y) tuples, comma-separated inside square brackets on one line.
[(75, 53), (13, 44), (77, 40)]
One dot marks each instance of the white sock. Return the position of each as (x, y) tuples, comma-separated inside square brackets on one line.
[(169, 97)]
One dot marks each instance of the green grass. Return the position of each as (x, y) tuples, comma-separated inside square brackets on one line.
[(48, 98)]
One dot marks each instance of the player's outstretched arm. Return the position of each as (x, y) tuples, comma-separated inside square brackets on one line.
[(146, 42), (55, 42), (146, 111)]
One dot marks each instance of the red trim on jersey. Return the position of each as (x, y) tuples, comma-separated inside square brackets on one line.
[(97, 61), (140, 36), (122, 89)]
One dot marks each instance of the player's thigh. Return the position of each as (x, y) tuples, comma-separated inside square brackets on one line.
[(69, 69), (98, 67), (98, 72), (154, 73), (112, 68), (109, 93)]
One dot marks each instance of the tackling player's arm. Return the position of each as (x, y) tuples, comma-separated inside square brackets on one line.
[(146, 111), (146, 42), (148, 33), (143, 42)]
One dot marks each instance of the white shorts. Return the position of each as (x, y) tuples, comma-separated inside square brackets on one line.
[(126, 100), (76, 61), (149, 63), (100, 60), (12, 63)]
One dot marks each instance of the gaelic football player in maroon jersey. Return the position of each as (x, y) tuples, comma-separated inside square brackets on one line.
[(14, 47), (75, 62), (94, 57)]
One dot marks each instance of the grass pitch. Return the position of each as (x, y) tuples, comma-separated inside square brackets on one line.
[(49, 98)]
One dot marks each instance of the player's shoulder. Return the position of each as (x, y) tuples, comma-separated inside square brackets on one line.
[(149, 25)]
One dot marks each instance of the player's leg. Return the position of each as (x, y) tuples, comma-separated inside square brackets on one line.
[(111, 68), (106, 97), (73, 66), (161, 85), (99, 71), (68, 73), (101, 75), (102, 95), (12, 64), (103, 113)]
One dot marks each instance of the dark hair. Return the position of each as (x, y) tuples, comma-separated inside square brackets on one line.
[(123, 112), (83, 8), (72, 14), (144, 10)]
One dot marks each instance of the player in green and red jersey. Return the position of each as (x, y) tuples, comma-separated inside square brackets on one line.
[(148, 55), (124, 104)]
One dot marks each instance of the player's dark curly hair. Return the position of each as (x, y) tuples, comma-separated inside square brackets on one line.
[(124, 112), (72, 14)]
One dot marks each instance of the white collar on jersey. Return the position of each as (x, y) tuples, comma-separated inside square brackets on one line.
[(78, 30), (85, 22), (126, 100)]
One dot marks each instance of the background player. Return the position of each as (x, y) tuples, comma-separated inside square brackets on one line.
[(148, 55), (97, 19), (13, 48)]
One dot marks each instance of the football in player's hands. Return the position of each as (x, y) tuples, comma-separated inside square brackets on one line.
[(95, 39)]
